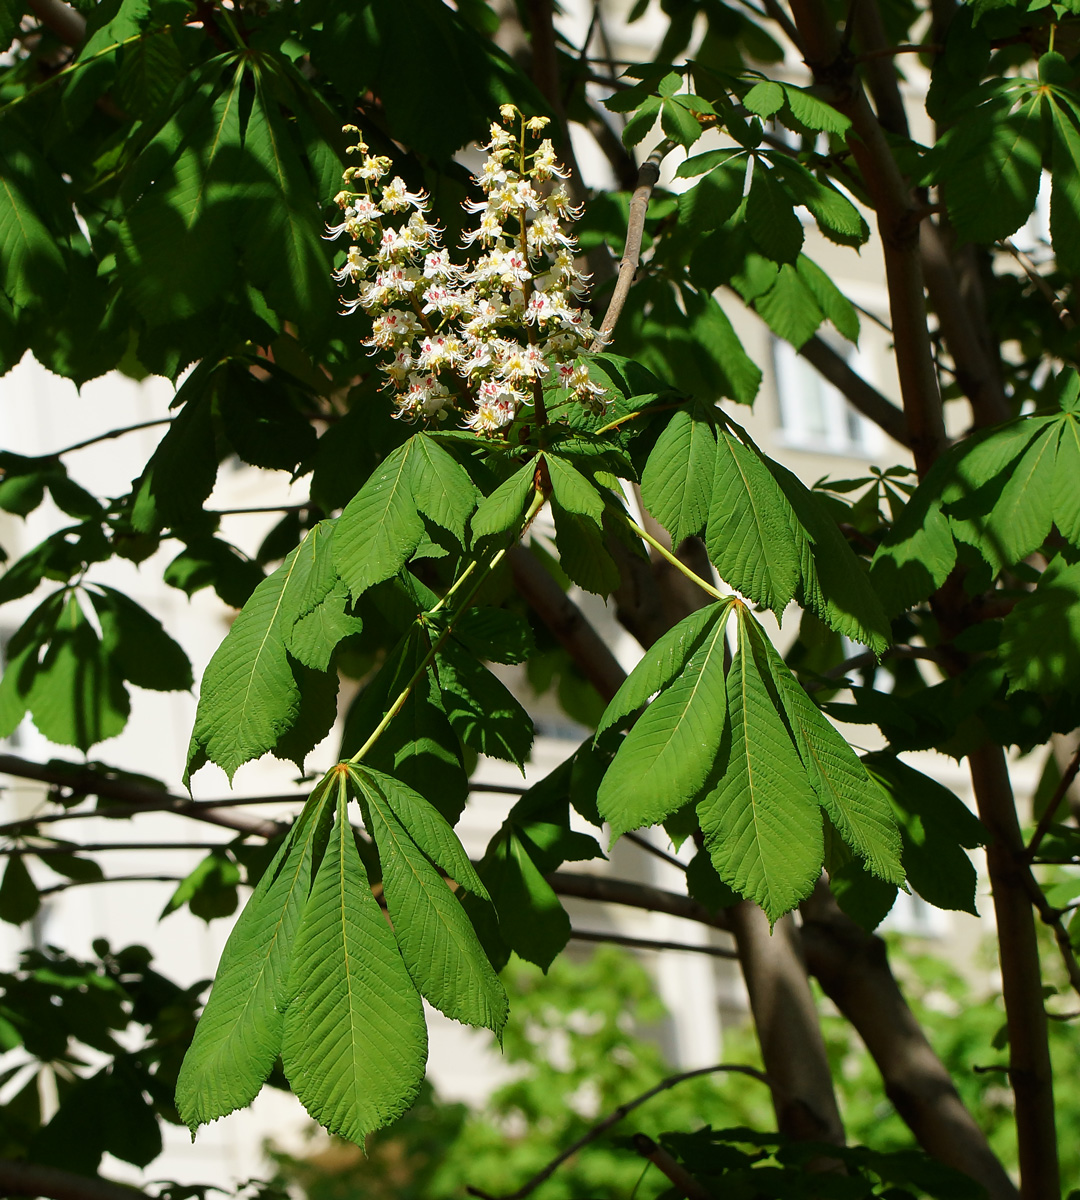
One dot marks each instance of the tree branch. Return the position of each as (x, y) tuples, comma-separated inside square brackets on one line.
[(648, 176), (67, 24), (566, 621), (852, 967), (1030, 1071), (786, 1019), (858, 393), (1047, 819), (617, 939), (677, 1174), (30, 1179), (112, 433), (84, 781), (898, 223), (613, 1118)]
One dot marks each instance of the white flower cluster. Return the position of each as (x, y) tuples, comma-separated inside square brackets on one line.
[(481, 336)]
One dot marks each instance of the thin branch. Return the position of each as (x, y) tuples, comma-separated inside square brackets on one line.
[(606, 890), (1047, 819), (83, 781), (1032, 272), (649, 848), (903, 48), (112, 433), (648, 177), (617, 939), (676, 1173), (869, 659), (30, 1179), (70, 883), (102, 847), (772, 7), (613, 1118), (265, 508)]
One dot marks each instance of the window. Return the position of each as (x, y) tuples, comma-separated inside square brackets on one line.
[(814, 415)]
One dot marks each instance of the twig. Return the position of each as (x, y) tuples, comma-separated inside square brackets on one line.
[(192, 810), (868, 659), (606, 890), (683, 1181), (1031, 271), (102, 847), (903, 48), (649, 848), (83, 781), (266, 508), (106, 437), (613, 1118), (1047, 819), (70, 883), (648, 176), (617, 939)]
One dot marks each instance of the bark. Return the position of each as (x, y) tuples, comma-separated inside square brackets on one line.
[(858, 393), (1030, 1071), (1064, 747), (898, 216), (786, 1019), (852, 967), (63, 20)]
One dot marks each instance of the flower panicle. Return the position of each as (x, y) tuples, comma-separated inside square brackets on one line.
[(477, 336)]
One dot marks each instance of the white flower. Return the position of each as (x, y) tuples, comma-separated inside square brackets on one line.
[(396, 197), (496, 407), (391, 329), (438, 351), (544, 163)]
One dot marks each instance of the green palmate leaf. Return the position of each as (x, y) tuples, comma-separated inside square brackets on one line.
[(425, 824), (935, 827), (30, 258), (812, 113), (832, 302), (856, 805), (380, 527), (765, 98), (19, 898), (1065, 195), (710, 202), (986, 508), (1040, 642), (915, 557), (77, 697), (750, 538), (990, 164), (150, 71), (660, 664), (665, 759), (436, 938), (250, 697), (1020, 520), (495, 634), (314, 637), (181, 472), (834, 583), (22, 655), (138, 645), (182, 223), (582, 553), (503, 508), (284, 251), (573, 491), (789, 308), (1065, 495), (441, 487), (355, 1042), (678, 122), (239, 1034), (677, 483), (839, 220), (761, 820), (642, 121), (773, 226), (481, 710)]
